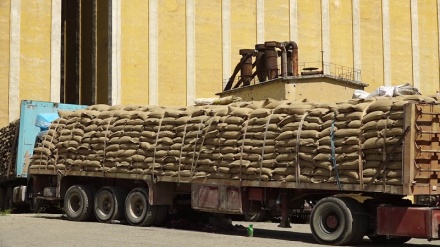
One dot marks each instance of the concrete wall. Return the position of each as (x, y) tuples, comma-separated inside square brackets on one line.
[(169, 52), (311, 89), (5, 10)]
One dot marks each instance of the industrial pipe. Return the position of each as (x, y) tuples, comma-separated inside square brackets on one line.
[(283, 56), (292, 57), (260, 61)]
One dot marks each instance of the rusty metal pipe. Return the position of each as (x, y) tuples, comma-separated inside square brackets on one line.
[(236, 70), (246, 69), (283, 61), (293, 57), (282, 47)]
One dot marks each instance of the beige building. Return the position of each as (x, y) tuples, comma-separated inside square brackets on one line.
[(169, 52)]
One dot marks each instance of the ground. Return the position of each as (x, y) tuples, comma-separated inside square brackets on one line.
[(53, 230)]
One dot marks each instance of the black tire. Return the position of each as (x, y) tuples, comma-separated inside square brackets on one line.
[(8, 204), (255, 216), (2, 199), (161, 215), (78, 203), (109, 204), (35, 205), (334, 221), (381, 239), (360, 220), (138, 210)]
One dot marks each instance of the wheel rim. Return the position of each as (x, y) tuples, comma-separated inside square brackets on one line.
[(329, 223), (137, 207), (75, 203), (105, 205)]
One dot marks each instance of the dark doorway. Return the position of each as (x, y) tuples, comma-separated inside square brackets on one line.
[(85, 56)]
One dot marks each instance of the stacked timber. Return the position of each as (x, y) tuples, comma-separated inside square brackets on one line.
[(266, 140), (8, 148)]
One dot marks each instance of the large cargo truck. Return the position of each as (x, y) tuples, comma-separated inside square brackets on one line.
[(18, 141), (141, 163)]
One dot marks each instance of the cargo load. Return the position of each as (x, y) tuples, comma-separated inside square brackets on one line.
[(340, 143)]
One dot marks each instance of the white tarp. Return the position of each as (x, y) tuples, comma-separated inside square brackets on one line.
[(387, 91)]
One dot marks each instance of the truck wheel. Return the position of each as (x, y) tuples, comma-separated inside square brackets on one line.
[(334, 222), (78, 202), (2, 198), (138, 210), (381, 239), (8, 199), (360, 219), (109, 204), (161, 215), (255, 216)]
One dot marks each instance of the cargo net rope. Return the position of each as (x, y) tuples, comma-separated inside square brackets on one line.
[(8, 148), (343, 143)]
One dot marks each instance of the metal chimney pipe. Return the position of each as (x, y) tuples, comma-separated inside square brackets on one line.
[(292, 56), (283, 55), (246, 69), (260, 61)]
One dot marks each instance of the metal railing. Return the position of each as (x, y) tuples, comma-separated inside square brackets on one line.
[(334, 70), (307, 69)]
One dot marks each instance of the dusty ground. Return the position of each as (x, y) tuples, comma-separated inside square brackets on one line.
[(53, 230)]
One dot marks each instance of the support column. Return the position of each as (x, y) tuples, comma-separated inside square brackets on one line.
[(153, 63), (226, 40), (386, 42), (55, 52), (325, 22), (14, 61), (260, 22), (190, 53), (357, 54), (415, 43)]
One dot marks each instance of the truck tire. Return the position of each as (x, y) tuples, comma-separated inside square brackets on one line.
[(255, 216), (161, 215), (109, 204), (78, 202), (138, 210), (381, 239), (334, 221), (360, 220), (8, 204), (2, 199)]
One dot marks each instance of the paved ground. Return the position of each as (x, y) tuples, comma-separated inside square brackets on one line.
[(52, 230)]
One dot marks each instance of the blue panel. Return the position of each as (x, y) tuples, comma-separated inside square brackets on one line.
[(28, 131)]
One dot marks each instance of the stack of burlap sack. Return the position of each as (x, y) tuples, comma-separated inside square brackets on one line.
[(8, 148), (263, 140)]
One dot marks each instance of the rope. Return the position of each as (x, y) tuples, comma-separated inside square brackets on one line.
[(203, 141), (105, 143), (333, 158), (155, 147), (384, 154), (361, 141), (194, 164), (298, 137), (264, 143), (181, 151), (246, 123)]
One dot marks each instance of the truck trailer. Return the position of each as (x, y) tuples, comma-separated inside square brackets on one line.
[(354, 162)]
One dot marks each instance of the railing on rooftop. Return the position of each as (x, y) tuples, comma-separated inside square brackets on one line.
[(331, 69), (310, 69)]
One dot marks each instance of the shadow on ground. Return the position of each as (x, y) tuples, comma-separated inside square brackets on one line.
[(239, 230)]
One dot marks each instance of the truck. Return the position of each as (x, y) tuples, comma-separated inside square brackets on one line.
[(354, 163), (141, 163), (18, 141)]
